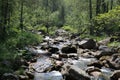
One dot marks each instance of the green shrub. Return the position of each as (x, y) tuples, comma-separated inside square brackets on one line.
[(114, 44), (108, 23), (70, 29), (28, 38)]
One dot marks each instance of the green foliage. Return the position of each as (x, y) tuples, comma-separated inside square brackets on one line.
[(22, 39), (43, 28), (108, 23), (70, 29), (8, 48), (28, 38), (114, 44)]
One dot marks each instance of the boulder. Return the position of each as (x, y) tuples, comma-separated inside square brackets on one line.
[(105, 41), (97, 73), (75, 73), (93, 71), (30, 74), (96, 64), (59, 39), (60, 32), (87, 44), (69, 49), (99, 54), (53, 50), (115, 75), (107, 49), (23, 77), (115, 61)]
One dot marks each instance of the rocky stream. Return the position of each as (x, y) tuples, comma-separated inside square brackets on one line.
[(68, 57)]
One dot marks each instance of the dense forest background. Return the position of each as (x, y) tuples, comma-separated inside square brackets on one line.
[(20, 19)]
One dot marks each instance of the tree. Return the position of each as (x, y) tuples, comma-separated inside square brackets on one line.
[(104, 6), (6, 8), (98, 4), (111, 4), (90, 8), (21, 15)]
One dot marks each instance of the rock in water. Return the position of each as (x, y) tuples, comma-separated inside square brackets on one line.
[(53, 49), (75, 72), (87, 44), (115, 75), (69, 49)]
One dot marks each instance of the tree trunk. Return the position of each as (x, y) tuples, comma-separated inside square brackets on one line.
[(107, 6), (90, 16), (111, 4), (90, 9), (98, 4), (104, 7), (21, 16), (4, 18)]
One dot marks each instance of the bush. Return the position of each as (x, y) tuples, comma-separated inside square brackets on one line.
[(23, 39), (8, 49), (28, 38), (108, 23), (70, 29)]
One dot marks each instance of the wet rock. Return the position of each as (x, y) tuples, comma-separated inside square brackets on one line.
[(41, 65), (118, 49), (63, 55), (47, 38), (104, 58), (87, 44), (111, 61), (72, 55), (99, 54), (33, 60), (114, 65), (9, 76), (53, 50), (30, 74), (107, 49), (88, 55), (61, 32), (59, 39), (93, 71), (105, 41), (80, 52), (115, 75), (69, 49), (41, 32), (59, 63), (45, 46), (76, 73), (96, 64), (56, 56), (23, 77), (97, 73), (54, 75), (116, 58), (74, 35)]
